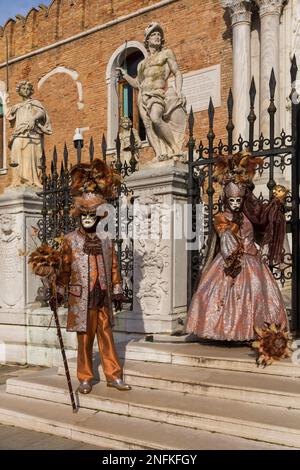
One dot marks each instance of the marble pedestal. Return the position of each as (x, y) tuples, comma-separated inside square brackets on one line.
[(20, 208), (159, 255)]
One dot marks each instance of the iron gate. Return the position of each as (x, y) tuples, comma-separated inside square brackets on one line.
[(280, 154)]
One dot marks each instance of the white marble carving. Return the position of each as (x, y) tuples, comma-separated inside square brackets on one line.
[(31, 122), (160, 259), (151, 255), (11, 264), (163, 112), (239, 10), (19, 208), (269, 6), (198, 86), (124, 135), (152, 287)]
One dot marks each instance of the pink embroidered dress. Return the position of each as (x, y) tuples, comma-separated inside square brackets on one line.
[(227, 308)]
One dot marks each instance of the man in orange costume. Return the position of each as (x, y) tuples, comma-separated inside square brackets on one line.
[(90, 273)]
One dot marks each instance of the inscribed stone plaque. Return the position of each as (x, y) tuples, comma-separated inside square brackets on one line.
[(200, 85)]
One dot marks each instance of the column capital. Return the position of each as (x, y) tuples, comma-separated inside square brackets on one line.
[(240, 10), (269, 7)]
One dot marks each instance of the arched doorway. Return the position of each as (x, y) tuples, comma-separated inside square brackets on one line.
[(121, 98)]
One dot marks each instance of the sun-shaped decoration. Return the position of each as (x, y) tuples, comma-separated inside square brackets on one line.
[(272, 344)]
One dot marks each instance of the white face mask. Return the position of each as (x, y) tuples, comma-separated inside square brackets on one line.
[(88, 220), (235, 203)]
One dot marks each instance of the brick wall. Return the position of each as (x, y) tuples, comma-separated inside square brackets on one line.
[(196, 30)]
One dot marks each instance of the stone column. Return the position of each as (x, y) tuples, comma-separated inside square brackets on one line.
[(160, 257), (241, 63), (20, 209), (269, 12)]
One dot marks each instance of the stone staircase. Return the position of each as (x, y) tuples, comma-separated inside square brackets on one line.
[(185, 396)]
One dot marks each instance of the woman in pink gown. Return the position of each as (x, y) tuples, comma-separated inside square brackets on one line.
[(237, 291)]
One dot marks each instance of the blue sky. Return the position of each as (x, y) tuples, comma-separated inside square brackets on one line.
[(9, 8)]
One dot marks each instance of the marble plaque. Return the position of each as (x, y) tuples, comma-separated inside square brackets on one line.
[(200, 85)]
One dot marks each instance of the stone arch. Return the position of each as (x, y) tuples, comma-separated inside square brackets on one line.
[(74, 76), (112, 91)]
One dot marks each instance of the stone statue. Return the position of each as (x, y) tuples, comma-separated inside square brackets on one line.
[(161, 108), (31, 122), (124, 135)]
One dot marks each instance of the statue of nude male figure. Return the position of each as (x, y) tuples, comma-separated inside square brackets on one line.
[(162, 110)]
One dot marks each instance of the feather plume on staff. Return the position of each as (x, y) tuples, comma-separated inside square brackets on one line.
[(45, 262)]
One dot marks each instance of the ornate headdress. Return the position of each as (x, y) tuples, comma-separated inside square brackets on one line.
[(232, 189), (236, 172), (92, 184)]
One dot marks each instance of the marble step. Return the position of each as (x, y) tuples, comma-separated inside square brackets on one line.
[(242, 386), (211, 355), (113, 431), (266, 424)]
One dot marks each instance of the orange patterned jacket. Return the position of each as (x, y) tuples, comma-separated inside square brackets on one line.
[(77, 274)]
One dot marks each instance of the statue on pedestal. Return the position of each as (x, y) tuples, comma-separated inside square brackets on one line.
[(124, 135), (162, 109), (31, 122)]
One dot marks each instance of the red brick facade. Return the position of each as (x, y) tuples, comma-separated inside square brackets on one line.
[(195, 29)]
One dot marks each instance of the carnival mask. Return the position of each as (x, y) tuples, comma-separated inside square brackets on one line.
[(235, 203), (88, 220)]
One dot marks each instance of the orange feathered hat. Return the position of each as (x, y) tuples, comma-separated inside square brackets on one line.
[(93, 184)]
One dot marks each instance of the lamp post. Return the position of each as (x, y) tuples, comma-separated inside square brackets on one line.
[(78, 143)]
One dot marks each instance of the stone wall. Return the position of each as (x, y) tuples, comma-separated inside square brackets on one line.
[(69, 74)]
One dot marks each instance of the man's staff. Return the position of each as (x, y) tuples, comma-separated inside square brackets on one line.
[(45, 262), (119, 77), (61, 344)]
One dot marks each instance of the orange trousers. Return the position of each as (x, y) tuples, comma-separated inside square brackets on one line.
[(98, 323)]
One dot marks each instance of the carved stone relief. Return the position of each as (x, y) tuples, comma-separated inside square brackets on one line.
[(11, 263), (151, 254)]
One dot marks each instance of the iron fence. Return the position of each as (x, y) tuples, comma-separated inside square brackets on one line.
[(280, 153)]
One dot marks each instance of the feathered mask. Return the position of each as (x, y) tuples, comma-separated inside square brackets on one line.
[(238, 168)]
